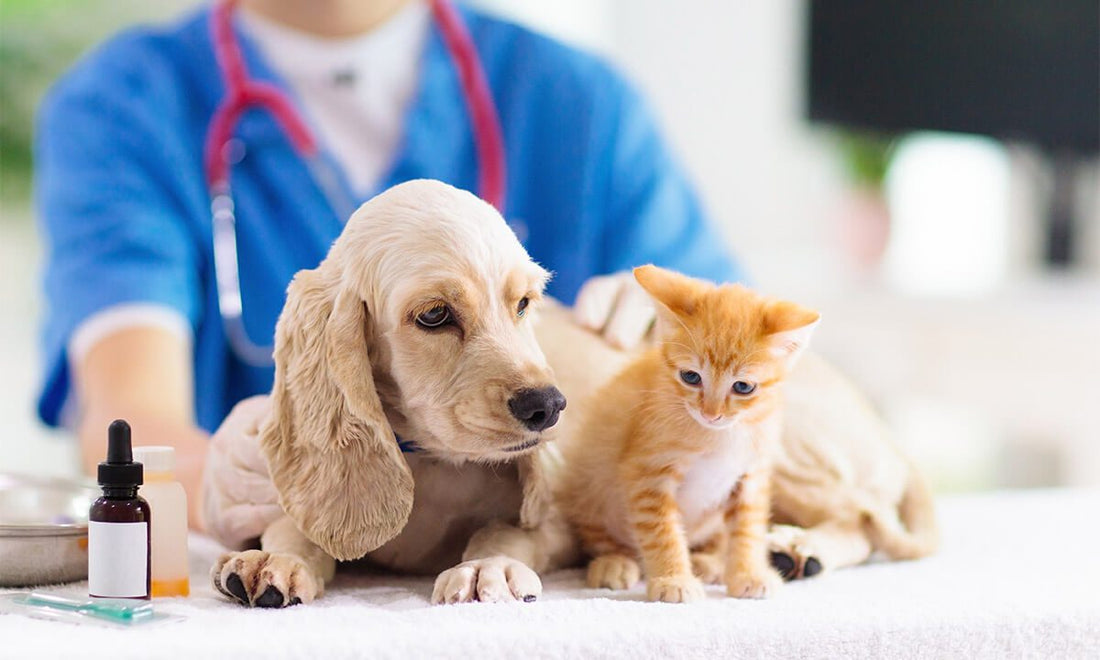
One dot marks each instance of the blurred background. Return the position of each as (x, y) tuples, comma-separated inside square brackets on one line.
[(927, 177)]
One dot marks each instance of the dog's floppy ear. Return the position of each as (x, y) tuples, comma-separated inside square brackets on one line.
[(333, 456)]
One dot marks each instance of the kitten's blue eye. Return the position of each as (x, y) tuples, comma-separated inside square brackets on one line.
[(690, 377), (521, 308), (743, 388)]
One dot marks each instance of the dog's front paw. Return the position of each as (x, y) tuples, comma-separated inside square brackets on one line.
[(263, 579), (613, 572), (487, 580), (754, 583), (791, 553), (675, 589)]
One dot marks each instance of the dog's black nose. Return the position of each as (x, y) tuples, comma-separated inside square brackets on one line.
[(537, 408)]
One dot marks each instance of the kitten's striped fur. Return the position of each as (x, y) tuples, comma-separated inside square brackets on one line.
[(676, 473)]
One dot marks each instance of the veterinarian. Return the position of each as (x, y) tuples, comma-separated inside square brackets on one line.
[(185, 173)]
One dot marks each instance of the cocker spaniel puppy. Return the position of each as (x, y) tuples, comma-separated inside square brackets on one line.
[(411, 412)]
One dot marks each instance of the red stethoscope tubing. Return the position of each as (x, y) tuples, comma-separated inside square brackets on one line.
[(243, 92), (488, 136)]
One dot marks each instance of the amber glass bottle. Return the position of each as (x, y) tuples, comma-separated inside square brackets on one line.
[(118, 524)]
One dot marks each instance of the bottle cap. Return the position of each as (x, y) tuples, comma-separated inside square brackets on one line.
[(119, 469), (156, 459)]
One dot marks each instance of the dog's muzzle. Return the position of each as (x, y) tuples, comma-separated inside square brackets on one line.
[(537, 408)]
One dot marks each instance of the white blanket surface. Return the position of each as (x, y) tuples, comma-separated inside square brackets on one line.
[(1018, 575)]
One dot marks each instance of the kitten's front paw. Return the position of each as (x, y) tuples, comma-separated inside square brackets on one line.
[(487, 580), (708, 566), (613, 572), (758, 583), (675, 589), (265, 579)]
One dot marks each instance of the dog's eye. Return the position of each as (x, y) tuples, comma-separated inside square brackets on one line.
[(690, 377), (743, 388), (436, 317), (522, 306)]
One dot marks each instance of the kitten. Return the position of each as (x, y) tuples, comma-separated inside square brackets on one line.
[(672, 456)]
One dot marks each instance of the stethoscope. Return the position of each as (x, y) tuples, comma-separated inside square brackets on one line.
[(243, 92)]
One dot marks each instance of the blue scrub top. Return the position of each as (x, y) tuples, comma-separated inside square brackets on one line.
[(123, 204)]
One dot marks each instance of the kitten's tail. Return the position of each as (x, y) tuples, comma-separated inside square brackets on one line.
[(910, 532)]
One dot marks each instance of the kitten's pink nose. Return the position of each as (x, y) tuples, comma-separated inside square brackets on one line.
[(712, 419)]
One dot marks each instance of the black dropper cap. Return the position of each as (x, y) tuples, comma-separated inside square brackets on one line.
[(120, 470)]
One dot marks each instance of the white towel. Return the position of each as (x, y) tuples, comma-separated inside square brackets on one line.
[(1018, 575)]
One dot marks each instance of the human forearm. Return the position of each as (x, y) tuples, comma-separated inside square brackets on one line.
[(189, 441), (142, 375)]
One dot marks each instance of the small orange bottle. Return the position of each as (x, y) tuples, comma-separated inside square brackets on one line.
[(168, 504)]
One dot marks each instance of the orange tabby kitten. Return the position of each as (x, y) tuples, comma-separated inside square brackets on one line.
[(671, 462)]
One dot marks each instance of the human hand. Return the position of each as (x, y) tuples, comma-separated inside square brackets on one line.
[(239, 499), (617, 307)]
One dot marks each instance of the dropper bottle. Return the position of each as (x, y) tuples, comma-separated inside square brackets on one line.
[(118, 524)]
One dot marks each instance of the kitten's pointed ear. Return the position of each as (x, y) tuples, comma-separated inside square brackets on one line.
[(677, 293), (788, 328)]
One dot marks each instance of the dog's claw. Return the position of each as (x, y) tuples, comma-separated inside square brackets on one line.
[(236, 587), (784, 564), (792, 553), (271, 597)]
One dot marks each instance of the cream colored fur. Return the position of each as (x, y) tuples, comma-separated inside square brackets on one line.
[(352, 368)]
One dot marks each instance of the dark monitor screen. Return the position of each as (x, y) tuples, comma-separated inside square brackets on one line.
[(1016, 69)]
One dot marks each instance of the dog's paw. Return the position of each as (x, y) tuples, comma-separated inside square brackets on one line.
[(263, 579), (708, 567), (675, 589), (762, 582), (487, 580), (613, 572), (791, 554)]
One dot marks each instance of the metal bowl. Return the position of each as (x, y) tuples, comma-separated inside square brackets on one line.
[(43, 530)]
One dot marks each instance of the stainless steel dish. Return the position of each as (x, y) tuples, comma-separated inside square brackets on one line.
[(43, 530)]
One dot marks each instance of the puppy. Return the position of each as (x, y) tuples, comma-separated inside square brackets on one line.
[(412, 410)]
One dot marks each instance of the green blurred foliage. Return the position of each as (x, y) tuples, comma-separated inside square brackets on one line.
[(32, 52), (39, 40), (867, 156)]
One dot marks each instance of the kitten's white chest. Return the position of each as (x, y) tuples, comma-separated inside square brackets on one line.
[(711, 477)]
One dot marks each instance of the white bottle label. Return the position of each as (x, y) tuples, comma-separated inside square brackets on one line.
[(118, 559)]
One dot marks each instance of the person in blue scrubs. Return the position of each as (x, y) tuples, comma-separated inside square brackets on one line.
[(132, 324)]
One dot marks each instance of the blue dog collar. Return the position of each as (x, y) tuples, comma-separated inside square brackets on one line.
[(406, 446)]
